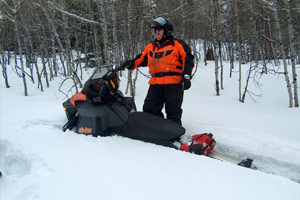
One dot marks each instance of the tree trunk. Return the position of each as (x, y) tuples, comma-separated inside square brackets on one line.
[(67, 49), (28, 60), (183, 16), (239, 47), (129, 12), (246, 86), (153, 8), (45, 54), (35, 64), (105, 34), (54, 64), (138, 49), (291, 39), (54, 32), (285, 67), (65, 53), (115, 35), (205, 50), (214, 26), (230, 50), (78, 56), (4, 68), (221, 65), (256, 39), (49, 64), (18, 35), (44, 66)]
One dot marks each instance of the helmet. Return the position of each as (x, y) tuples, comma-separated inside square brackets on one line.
[(162, 22)]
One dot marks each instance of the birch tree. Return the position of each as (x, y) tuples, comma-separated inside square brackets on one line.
[(184, 18), (104, 22), (214, 27), (292, 48), (129, 86), (3, 63), (139, 48), (72, 72), (14, 18), (285, 65), (238, 33), (4, 56), (115, 33)]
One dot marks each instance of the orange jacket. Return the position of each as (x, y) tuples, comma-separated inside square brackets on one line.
[(167, 62)]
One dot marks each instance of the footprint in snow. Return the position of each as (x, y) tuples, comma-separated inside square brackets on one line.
[(13, 162)]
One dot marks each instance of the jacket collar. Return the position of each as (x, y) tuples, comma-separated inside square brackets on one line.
[(165, 42)]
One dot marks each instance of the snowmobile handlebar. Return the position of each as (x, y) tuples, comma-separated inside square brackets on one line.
[(110, 74)]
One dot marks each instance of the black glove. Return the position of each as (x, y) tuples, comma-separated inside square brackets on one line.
[(127, 64), (186, 81)]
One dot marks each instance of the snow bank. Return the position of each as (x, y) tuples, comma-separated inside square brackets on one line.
[(39, 161)]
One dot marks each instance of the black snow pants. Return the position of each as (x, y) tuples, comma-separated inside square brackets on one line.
[(168, 95)]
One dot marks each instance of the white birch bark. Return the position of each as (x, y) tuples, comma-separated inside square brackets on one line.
[(285, 65), (215, 44), (221, 66), (239, 48), (115, 35), (279, 29), (183, 18), (54, 31), (129, 13), (4, 67), (139, 46), (17, 5), (105, 33), (292, 51)]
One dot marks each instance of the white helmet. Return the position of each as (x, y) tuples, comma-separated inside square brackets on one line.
[(162, 22)]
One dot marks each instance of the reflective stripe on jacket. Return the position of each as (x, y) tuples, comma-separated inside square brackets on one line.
[(167, 62)]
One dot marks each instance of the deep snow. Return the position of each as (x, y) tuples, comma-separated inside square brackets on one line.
[(39, 161)]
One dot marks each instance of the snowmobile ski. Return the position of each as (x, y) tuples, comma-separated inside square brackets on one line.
[(247, 162)]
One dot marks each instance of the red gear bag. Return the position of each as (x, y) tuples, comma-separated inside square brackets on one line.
[(200, 144)]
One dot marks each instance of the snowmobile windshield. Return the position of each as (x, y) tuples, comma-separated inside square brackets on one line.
[(94, 78), (99, 73), (101, 86)]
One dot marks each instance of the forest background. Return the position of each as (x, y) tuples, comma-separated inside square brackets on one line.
[(93, 33)]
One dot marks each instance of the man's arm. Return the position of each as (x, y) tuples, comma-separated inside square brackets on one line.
[(188, 58)]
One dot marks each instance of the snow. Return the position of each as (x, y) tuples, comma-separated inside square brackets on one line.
[(39, 161)]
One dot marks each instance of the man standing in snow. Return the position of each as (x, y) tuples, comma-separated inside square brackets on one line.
[(170, 64)]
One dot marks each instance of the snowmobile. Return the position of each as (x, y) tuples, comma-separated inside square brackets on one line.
[(101, 109)]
